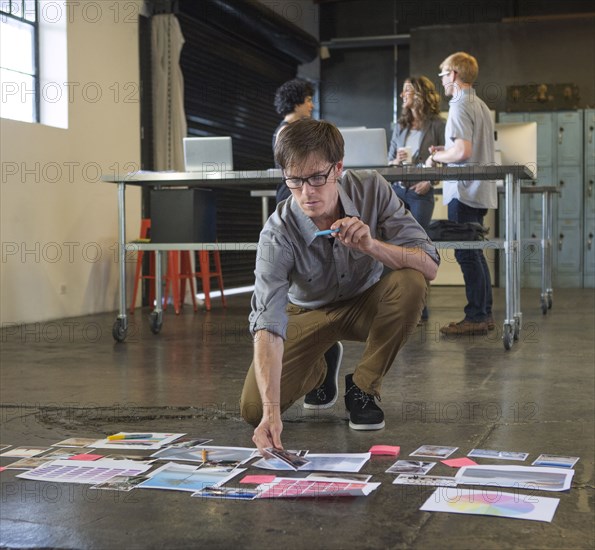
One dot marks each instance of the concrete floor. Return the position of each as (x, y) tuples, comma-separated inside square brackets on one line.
[(68, 378)]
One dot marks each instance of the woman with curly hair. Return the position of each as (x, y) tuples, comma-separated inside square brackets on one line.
[(293, 101), (419, 127)]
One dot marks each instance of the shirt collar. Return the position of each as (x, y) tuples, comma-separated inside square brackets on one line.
[(348, 207), (305, 224), (465, 91)]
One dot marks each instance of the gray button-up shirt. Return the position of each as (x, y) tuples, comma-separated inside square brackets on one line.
[(469, 119), (311, 272)]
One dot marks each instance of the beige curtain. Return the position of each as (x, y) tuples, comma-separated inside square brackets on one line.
[(169, 118)]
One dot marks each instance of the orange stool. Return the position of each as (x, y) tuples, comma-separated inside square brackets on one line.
[(171, 278), (145, 226), (179, 269), (183, 271), (205, 275)]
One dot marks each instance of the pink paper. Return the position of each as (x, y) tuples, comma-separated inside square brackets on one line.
[(458, 462), (2, 468), (258, 479), (385, 450), (85, 456)]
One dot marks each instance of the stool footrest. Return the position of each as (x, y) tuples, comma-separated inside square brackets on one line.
[(179, 270)]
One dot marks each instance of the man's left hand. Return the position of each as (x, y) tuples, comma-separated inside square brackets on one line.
[(421, 188), (354, 233)]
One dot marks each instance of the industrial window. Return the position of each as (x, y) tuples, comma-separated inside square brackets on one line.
[(19, 59), (34, 61)]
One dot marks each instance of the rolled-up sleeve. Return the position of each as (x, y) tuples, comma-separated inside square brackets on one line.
[(397, 226), (274, 262)]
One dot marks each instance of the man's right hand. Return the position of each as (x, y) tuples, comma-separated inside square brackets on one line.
[(268, 433), (268, 355)]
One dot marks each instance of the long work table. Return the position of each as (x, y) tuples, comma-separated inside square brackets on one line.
[(263, 180)]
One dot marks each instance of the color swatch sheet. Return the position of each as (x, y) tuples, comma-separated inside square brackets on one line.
[(83, 471), (153, 441), (491, 503), (284, 487)]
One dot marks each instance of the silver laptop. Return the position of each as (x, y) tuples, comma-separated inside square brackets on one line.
[(364, 147), (208, 154)]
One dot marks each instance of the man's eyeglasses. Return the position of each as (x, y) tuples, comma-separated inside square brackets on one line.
[(317, 180), (445, 72)]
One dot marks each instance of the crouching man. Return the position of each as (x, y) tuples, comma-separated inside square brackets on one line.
[(313, 290)]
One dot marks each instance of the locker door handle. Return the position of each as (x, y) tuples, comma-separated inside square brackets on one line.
[(590, 189), (560, 135), (590, 138), (590, 241), (560, 241)]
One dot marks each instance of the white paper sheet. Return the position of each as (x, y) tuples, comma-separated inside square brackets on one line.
[(555, 461), (425, 481), (185, 477), (350, 462), (525, 478), (497, 455), (214, 455)]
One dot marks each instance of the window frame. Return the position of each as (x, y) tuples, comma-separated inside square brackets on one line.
[(10, 14)]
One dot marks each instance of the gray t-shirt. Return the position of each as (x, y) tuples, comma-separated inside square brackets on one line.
[(469, 119), (311, 272), (413, 140)]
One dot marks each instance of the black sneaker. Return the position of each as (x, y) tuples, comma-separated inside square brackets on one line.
[(364, 414), (325, 395)]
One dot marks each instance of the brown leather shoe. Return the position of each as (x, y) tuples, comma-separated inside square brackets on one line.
[(465, 327), (489, 321)]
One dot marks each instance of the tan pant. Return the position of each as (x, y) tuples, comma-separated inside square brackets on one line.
[(383, 316)]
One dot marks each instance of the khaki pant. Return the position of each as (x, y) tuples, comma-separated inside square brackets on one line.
[(383, 316)]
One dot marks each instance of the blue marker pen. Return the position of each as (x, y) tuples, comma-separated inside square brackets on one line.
[(326, 232)]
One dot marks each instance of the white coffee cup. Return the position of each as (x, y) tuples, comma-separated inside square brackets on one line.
[(408, 154)]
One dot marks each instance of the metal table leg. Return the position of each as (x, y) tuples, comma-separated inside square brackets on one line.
[(510, 243), (517, 314), (546, 252), (120, 327), (264, 209), (550, 228), (513, 322), (156, 316)]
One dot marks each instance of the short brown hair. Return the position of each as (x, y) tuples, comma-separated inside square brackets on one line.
[(306, 137), (464, 64)]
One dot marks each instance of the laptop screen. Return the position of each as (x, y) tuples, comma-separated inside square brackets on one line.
[(208, 154), (364, 147)]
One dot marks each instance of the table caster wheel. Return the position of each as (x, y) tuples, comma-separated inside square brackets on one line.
[(119, 331), (155, 322), (507, 337)]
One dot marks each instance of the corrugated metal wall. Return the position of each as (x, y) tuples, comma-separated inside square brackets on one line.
[(230, 78), (229, 87)]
